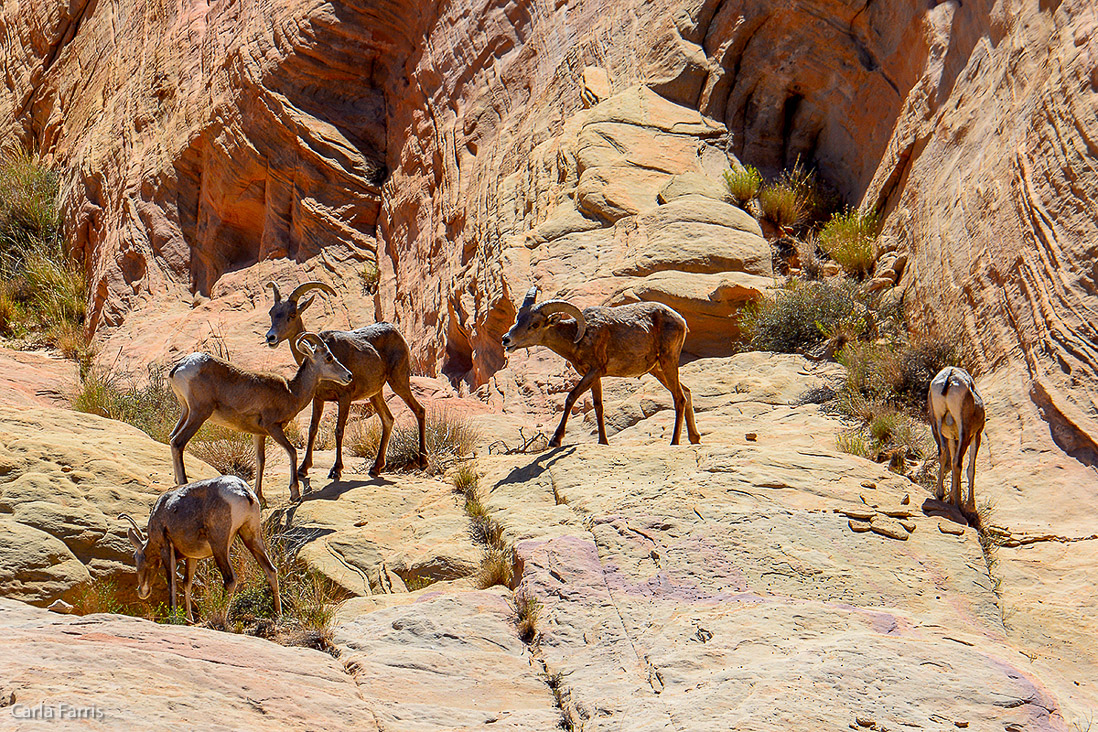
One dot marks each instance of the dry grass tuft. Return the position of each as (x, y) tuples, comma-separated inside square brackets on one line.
[(44, 293), (782, 205), (496, 568), (527, 610), (449, 438), (228, 451), (149, 405)]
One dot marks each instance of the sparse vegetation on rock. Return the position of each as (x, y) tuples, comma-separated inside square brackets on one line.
[(743, 184), (848, 239), (43, 291), (449, 437)]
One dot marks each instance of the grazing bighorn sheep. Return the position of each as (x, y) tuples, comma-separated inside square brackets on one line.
[(375, 355), (627, 340), (956, 413), (209, 388), (197, 521)]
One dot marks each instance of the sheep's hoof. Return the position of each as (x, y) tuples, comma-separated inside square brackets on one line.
[(555, 442), (422, 462), (295, 495), (375, 472), (335, 473)]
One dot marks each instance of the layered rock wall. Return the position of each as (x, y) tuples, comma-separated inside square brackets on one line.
[(475, 148)]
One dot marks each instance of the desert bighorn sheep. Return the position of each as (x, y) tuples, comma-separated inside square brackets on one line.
[(197, 521), (627, 340), (956, 413), (209, 388), (375, 354)]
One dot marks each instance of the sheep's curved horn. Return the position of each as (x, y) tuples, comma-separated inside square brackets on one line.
[(531, 296), (312, 339), (563, 306), (306, 286), (127, 517), (277, 294)]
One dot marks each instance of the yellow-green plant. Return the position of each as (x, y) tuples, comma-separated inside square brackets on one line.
[(848, 239), (743, 184)]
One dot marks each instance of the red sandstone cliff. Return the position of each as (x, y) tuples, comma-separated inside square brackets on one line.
[(474, 148)]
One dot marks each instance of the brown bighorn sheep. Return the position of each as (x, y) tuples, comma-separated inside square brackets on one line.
[(956, 413), (628, 340), (209, 388), (197, 521), (375, 354)]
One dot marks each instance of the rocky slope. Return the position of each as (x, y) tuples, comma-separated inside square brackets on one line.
[(760, 580)]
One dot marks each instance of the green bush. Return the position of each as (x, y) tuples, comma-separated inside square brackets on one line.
[(848, 239), (743, 184), (801, 316)]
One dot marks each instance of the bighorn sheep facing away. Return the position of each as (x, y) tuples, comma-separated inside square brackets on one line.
[(197, 521), (956, 413), (628, 340), (209, 388), (375, 354)]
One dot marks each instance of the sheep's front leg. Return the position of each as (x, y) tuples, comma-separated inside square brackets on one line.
[(188, 578), (596, 394), (276, 434), (260, 463), (314, 425), (167, 558), (584, 384)]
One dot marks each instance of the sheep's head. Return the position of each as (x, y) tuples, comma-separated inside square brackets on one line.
[(286, 314), (533, 321), (146, 565), (328, 365)]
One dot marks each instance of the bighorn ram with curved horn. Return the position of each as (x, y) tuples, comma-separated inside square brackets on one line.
[(197, 521), (209, 388), (628, 340), (956, 412), (375, 355)]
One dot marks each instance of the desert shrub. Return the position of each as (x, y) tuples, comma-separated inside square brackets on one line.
[(743, 184), (897, 374), (848, 239), (800, 316), (818, 199), (149, 405), (370, 276), (449, 437), (782, 205)]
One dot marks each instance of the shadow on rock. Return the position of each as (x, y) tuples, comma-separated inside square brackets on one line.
[(540, 464)]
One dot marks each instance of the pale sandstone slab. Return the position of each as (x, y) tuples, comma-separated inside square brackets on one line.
[(447, 661), (149, 676), (64, 479)]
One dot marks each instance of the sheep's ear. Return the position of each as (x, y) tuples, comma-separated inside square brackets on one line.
[(301, 307), (135, 538)]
